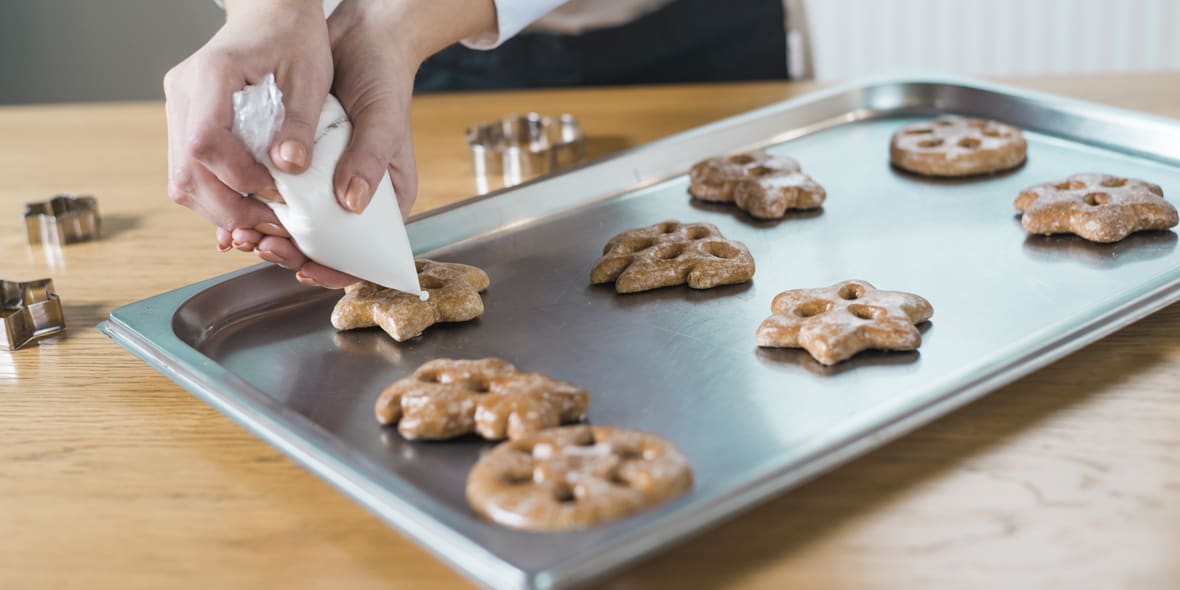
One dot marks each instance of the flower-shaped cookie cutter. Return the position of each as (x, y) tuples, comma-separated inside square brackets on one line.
[(517, 148), (30, 311), (64, 219)]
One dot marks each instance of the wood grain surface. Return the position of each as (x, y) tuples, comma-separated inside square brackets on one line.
[(112, 477)]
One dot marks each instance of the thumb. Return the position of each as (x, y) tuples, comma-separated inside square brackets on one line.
[(376, 130), (291, 148)]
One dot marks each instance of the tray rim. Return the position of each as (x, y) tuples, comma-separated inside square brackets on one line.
[(196, 373)]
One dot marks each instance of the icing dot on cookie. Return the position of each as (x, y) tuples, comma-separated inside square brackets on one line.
[(851, 291), (1114, 182), (428, 282), (812, 308), (721, 250), (670, 251), (969, 143), (930, 143), (866, 312), (1096, 199)]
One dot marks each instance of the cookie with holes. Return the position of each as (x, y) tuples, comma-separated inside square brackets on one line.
[(763, 185), (575, 477), (672, 253), (446, 398), (951, 147), (1097, 207), (453, 291), (835, 323)]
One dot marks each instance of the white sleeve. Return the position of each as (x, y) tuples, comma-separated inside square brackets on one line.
[(512, 16)]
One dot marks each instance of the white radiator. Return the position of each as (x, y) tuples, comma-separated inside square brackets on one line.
[(851, 38)]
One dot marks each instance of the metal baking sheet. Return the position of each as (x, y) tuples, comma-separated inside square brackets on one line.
[(681, 363)]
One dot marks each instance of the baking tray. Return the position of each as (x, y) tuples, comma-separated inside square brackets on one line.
[(258, 346)]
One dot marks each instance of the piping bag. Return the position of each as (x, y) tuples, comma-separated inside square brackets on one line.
[(372, 245)]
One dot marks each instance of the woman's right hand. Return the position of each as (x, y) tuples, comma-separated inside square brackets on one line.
[(208, 168)]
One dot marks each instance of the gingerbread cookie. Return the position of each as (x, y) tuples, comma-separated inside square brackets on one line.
[(672, 253), (765, 186), (453, 297), (1097, 207), (957, 147), (447, 398), (575, 477), (836, 323)]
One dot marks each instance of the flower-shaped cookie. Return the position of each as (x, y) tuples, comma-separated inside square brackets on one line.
[(447, 398), (672, 253), (837, 322), (575, 477), (453, 297), (1097, 207), (957, 147)]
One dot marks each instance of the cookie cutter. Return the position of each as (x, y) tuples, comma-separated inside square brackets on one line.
[(64, 219), (517, 148), (30, 311)]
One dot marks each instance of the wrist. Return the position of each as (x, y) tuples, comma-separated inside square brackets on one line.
[(238, 8), (421, 28)]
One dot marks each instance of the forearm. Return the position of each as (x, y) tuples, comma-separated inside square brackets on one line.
[(234, 8), (416, 29)]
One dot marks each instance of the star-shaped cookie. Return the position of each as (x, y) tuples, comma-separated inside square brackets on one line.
[(837, 322), (453, 297), (1097, 207)]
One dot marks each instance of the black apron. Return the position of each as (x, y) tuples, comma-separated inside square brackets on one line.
[(685, 41)]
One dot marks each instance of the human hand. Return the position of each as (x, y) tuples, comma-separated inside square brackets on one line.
[(208, 168), (374, 80)]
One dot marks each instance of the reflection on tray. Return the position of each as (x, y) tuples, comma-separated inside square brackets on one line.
[(665, 294), (1135, 248), (868, 358), (743, 217), (959, 180)]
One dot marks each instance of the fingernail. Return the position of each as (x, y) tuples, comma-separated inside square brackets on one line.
[(270, 256), (270, 194), (306, 280), (293, 152), (358, 189), (245, 246), (224, 249), (272, 229)]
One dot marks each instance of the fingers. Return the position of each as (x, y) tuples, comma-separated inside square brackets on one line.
[(206, 195), (245, 240), (224, 241), (403, 171), (375, 129), (210, 141), (318, 275), (282, 252), (291, 148)]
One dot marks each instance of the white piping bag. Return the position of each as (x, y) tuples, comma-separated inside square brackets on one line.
[(371, 245)]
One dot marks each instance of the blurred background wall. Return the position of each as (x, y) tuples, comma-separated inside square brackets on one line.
[(85, 50)]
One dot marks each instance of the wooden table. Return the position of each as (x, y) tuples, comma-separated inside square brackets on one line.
[(111, 476)]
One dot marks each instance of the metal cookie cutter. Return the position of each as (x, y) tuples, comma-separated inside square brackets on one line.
[(31, 311), (520, 147), (64, 219)]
